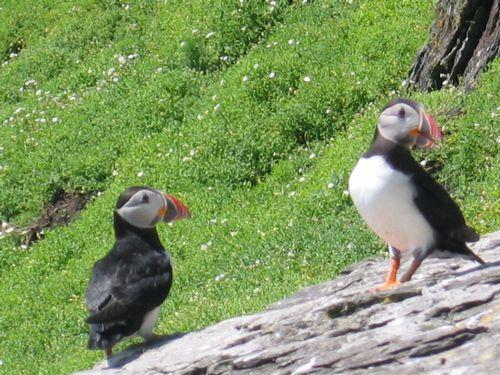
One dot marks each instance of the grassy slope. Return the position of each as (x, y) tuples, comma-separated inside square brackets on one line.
[(262, 163)]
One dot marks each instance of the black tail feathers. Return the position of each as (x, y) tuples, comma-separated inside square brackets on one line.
[(104, 336)]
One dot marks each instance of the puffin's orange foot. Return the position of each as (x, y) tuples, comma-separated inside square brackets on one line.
[(386, 286)]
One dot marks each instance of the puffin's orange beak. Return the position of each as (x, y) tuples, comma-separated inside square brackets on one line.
[(428, 133), (175, 210)]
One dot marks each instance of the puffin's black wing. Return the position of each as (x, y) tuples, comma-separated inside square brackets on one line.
[(131, 284), (439, 209)]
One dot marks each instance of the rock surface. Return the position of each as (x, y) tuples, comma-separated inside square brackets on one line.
[(447, 318), (464, 38)]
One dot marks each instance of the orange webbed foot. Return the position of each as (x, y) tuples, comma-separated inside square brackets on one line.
[(386, 286)]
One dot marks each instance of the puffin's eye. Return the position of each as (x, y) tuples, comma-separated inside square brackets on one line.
[(401, 112), (145, 198)]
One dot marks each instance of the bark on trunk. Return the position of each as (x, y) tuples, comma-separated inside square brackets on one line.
[(464, 38)]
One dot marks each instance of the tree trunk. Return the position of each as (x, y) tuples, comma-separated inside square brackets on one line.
[(464, 38)]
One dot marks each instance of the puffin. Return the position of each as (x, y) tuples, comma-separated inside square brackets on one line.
[(130, 283), (402, 203)]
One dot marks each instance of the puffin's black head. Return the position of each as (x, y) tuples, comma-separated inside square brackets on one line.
[(404, 121), (144, 207)]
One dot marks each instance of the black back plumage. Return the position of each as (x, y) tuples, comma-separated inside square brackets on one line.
[(431, 199), (131, 280)]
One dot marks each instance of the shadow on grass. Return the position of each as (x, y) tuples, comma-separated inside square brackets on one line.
[(133, 352)]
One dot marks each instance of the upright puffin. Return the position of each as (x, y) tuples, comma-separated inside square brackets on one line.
[(399, 200), (129, 284)]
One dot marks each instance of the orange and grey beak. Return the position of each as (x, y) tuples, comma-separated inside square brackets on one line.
[(428, 133), (175, 210)]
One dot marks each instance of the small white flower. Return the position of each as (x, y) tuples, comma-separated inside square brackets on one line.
[(345, 193), (312, 156), (210, 34), (307, 79), (55, 119), (140, 174), (30, 82), (233, 233), (256, 66), (272, 75), (183, 44), (111, 71), (245, 79), (116, 79), (220, 277), (38, 92), (291, 41), (302, 179), (292, 194), (133, 56), (224, 58), (115, 173), (423, 163), (199, 117), (330, 185), (195, 31), (126, 6), (205, 246), (122, 59), (217, 107)]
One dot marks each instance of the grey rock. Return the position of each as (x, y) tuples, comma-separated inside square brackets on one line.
[(445, 321)]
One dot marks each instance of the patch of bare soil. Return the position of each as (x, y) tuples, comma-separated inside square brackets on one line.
[(62, 208)]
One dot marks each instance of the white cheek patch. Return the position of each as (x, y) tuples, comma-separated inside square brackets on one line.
[(141, 214), (141, 217)]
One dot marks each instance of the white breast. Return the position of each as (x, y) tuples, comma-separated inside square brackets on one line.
[(149, 323), (384, 198)]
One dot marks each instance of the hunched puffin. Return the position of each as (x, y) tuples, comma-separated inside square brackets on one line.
[(129, 284), (399, 200)]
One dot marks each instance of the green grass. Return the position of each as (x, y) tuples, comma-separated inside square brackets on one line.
[(261, 159)]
